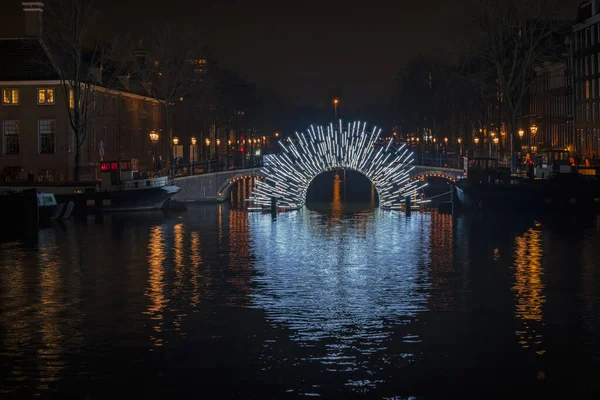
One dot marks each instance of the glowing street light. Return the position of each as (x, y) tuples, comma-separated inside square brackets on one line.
[(459, 140), (446, 140), (533, 129), (207, 142), (154, 137), (476, 140), (521, 133), (175, 141), (335, 105), (193, 140)]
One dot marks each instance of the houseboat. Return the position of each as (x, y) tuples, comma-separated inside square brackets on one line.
[(486, 187), (122, 188)]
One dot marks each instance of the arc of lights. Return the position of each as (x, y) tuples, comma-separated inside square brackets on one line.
[(320, 149)]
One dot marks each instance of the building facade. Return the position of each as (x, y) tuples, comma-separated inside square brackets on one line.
[(584, 90), (37, 138), (546, 117)]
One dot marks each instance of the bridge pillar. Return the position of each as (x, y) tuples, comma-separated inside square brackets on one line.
[(407, 205)]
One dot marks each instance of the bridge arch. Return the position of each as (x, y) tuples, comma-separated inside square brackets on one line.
[(225, 189), (305, 156)]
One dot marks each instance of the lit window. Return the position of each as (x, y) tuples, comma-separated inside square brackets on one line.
[(587, 90), (71, 99), (45, 96), (10, 96), (46, 130), (11, 137)]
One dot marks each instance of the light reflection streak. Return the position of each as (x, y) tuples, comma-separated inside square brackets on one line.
[(178, 284), (50, 354), (196, 260), (528, 289), (156, 282), (341, 285)]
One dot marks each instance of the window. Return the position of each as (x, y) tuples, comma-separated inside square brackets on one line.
[(11, 137), (45, 96), (71, 99), (587, 90), (46, 129), (10, 96)]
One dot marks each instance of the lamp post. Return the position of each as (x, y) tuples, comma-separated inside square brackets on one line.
[(476, 140), (192, 154), (460, 150), (496, 140), (218, 142), (154, 139), (533, 128), (335, 105), (207, 141), (175, 143)]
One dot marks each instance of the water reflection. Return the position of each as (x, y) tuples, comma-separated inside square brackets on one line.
[(156, 282), (345, 287), (528, 289), (374, 302)]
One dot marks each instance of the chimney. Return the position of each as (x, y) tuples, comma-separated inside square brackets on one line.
[(33, 18)]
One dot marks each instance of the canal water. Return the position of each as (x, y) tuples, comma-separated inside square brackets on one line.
[(340, 299)]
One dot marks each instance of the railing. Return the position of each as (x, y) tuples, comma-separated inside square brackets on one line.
[(211, 166), (439, 160)]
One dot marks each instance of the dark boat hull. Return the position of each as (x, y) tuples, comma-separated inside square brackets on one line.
[(152, 198), (535, 196)]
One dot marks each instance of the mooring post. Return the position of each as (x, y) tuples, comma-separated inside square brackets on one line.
[(407, 205), (452, 200), (274, 207)]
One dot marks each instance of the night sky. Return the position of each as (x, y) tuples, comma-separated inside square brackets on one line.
[(308, 50)]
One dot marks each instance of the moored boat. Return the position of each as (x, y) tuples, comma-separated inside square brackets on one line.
[(487, 188), (123, 190)]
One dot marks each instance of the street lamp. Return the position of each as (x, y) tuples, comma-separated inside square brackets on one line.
[(496, 140), (207, 141), (175, 141), (193, 152), (154, 139), (533, 128), (335, 104), (521, 133)]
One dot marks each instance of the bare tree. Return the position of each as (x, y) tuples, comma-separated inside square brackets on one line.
[(81, 64), (514, 36), (174, 69)]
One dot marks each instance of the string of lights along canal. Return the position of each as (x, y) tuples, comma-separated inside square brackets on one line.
[(289, 173)]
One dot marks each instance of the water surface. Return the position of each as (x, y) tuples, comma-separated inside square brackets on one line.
[(330, 301)]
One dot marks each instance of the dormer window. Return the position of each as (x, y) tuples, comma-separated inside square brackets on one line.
[(46, 96), (10, 96)]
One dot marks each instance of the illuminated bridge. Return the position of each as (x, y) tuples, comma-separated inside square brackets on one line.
[(287, 175)]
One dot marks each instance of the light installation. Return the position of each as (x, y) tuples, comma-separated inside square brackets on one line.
[(303, 157)]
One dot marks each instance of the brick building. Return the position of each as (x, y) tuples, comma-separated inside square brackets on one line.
[(34, 117)]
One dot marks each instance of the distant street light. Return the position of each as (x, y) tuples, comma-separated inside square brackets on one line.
[(193, 141), (521, 133), (335, 104), (476, 140), (175, 141)]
